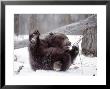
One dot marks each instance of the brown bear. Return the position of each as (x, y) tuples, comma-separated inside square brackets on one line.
[(57, 40), (47, 56)]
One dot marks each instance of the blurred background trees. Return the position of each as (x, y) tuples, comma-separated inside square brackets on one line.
[(25, 23)]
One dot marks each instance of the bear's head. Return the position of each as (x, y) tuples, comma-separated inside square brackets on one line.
[(57, 40)]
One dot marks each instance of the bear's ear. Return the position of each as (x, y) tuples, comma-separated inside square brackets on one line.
[(51, 33)]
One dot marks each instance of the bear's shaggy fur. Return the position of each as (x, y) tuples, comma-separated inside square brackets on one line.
[(57, 55), (50, 53)]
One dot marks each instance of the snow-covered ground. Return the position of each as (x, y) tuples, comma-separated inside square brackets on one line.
[(82, 66)]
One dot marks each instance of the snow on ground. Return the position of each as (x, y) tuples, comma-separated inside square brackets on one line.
[(82, 66)]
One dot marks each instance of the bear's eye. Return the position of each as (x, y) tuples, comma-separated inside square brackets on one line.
[(62, 38)]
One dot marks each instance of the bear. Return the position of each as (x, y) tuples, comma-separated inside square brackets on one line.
[(45, 56), (57, 40)]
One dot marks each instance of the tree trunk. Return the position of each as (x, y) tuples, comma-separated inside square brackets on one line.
[(89, 42), (16, 24)]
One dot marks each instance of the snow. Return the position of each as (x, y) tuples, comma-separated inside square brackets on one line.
[(82, 66), (20, 37)]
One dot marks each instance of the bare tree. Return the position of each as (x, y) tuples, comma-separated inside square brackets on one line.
[(16, 24)]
